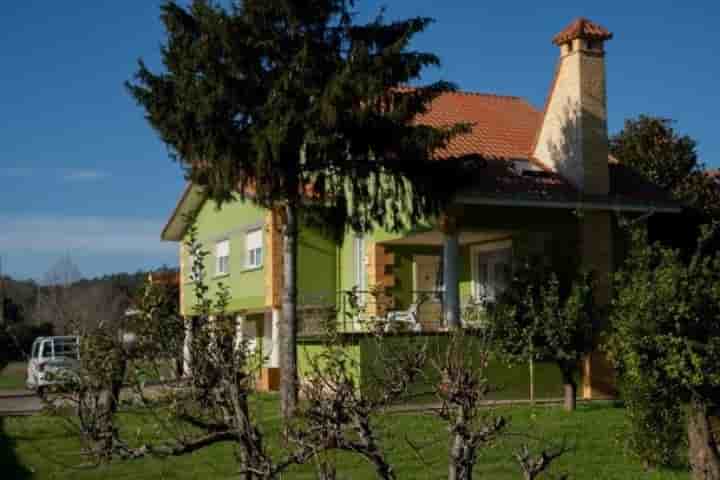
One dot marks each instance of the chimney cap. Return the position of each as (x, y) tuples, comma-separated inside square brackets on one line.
[(582, 28)]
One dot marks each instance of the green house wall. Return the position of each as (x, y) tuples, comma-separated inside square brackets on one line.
[(317, 266), (511, 382), (326, 267), (231, 222)]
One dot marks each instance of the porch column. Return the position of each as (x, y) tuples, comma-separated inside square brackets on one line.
[(451, 259), (239, 332), (274, 357)]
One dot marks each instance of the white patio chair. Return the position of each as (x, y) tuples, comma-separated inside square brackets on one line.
[(404, 318)]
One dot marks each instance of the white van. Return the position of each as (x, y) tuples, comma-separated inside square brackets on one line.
[(52, 361)]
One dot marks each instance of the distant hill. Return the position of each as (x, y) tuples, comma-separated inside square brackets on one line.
[(20, 297)]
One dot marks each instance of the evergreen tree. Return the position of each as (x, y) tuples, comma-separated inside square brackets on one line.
[(293, 105)]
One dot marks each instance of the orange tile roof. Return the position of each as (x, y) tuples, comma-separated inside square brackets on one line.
[(582, 28), (502, 126)]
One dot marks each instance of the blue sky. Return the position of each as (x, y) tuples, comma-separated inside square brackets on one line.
[(82, 173)]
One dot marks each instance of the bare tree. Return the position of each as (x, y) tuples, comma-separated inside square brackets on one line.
[(63, 272), (532, 466), (339, 413), (70, 304), (462, 389)]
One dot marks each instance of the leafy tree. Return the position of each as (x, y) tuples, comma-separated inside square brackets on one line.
[(654, 149), (539, 320), (293, 105), (666, 336)]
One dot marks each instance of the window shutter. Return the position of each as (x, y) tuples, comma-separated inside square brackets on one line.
[(222, 248), (253, 240), (254, 248)]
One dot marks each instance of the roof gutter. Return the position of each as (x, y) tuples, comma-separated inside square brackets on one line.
[(617, 206)]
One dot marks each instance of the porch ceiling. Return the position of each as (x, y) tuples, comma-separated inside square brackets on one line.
[(435, 238)]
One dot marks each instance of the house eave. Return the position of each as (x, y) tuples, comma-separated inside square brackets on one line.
[(176, 226), (604, 203)]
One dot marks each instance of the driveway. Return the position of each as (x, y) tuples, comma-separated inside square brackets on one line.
[(19, 402)]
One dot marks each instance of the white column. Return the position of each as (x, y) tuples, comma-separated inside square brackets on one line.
[(274, 331), (239, 330), (250, 333), (451, 298)]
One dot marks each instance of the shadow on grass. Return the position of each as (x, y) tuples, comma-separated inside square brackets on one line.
[(10, 465)]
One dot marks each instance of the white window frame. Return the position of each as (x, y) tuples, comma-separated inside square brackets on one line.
[(222, 257), (254, 254), (482, 249)]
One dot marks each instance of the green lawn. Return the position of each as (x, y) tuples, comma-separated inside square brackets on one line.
[(40, 448), (12, 377)]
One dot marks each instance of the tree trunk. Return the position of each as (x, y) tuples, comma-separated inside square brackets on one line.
[(461, 461), (455, 470), (532, 380), (249, 444), (570, 389), (187, 346), (288, 327), (461, 451), (108, 405), (703, 453)]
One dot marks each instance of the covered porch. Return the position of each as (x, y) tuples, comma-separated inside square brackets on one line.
[(431, 277)]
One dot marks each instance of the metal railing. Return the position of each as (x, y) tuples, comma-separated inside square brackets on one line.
[(364, 310)]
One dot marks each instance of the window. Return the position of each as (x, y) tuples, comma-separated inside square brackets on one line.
[(66, 347), (492, 270), (222, 257), (46, 349), (254, 248)]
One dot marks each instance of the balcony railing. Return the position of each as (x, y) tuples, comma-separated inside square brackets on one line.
[(364, 311)]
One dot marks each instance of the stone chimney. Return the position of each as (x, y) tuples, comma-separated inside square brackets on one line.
[(573, 138)]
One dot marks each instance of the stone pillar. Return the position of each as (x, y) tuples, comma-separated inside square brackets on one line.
[(596, 253), (273, 258), (380, 278), (451, 275)]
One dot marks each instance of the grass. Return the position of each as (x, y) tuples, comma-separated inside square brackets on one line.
[(40, 448), (12, 377)]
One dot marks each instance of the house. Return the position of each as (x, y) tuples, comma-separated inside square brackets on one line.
[(547, 188)]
